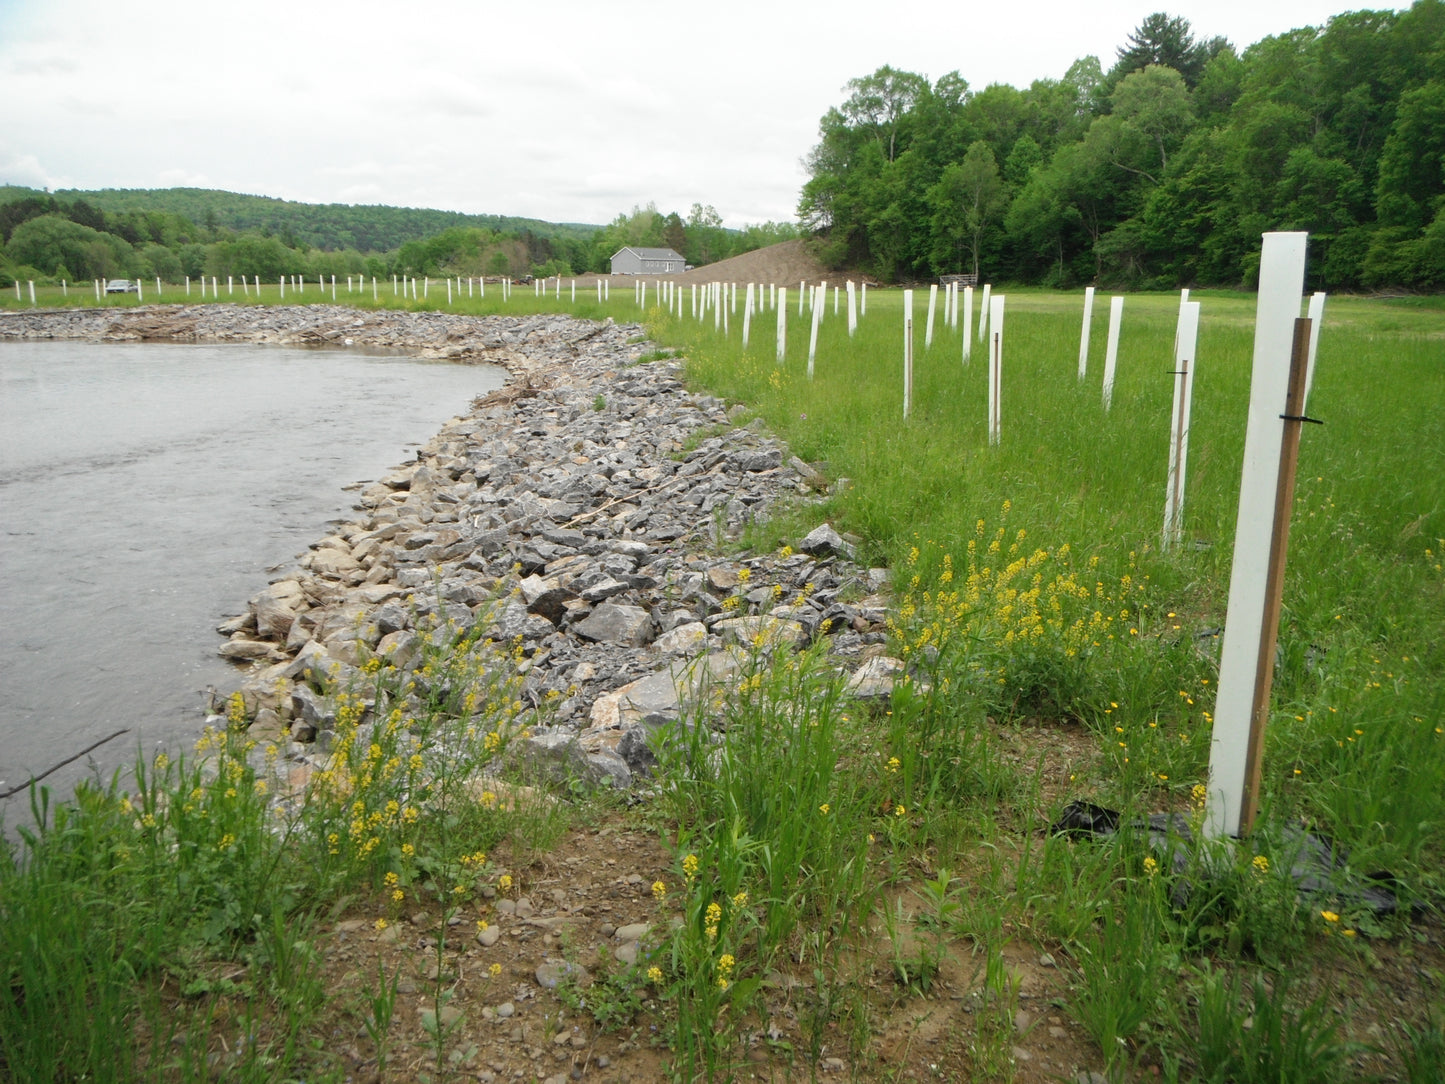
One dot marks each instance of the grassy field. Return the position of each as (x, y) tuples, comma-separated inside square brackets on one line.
[(860, 862)]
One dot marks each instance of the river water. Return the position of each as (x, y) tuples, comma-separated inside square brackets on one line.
[(147, 491)]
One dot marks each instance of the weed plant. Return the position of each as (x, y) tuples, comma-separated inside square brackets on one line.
[(143, 930)]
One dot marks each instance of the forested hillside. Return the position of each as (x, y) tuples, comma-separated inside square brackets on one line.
[(178, 232), (329, 226), (69, 236), (1162, 171)]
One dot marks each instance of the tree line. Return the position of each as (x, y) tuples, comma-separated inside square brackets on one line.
[(1162, 171), (49, 237)]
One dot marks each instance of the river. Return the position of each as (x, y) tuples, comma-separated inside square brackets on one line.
[(148, 490)]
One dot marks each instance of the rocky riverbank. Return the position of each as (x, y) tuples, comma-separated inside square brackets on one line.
[(577, 512)]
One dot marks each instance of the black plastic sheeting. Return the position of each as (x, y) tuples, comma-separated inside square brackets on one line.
[(1319, 868)]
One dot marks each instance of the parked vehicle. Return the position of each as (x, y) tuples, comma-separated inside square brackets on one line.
[(122, 286)]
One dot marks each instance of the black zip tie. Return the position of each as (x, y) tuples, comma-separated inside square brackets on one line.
[(1178, 372), (1301, 418)]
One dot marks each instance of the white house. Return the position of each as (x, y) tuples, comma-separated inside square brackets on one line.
[(647, 261)]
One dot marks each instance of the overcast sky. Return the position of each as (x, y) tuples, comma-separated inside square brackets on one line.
[(554, 109)]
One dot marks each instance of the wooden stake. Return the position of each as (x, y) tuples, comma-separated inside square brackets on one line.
[(1247, 655), (1278, 554)]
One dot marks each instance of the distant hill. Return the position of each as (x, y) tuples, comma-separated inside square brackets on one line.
[(331, 226)]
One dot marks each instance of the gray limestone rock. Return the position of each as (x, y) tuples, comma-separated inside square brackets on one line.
[(245, 650), (687, 639), (555, 754), (608, 769), (874, 679), (823, 541), (546, 597), (617, 623)]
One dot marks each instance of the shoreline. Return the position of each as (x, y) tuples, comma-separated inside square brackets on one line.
[(579, 507)]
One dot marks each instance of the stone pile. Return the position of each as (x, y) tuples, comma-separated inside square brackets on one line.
[(576, 512), (424, 334)]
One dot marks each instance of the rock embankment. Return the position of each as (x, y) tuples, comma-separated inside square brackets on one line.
[(513, 342), (575, 513)]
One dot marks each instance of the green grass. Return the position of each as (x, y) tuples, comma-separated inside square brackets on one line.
[(867, 851), (1363, 598)]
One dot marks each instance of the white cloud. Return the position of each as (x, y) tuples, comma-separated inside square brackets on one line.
[(27, 170), (573, 110)]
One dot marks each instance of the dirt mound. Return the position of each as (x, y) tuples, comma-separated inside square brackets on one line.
[(785, 263), (788, 263)]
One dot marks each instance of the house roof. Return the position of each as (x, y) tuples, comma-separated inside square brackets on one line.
[(649, 253)]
